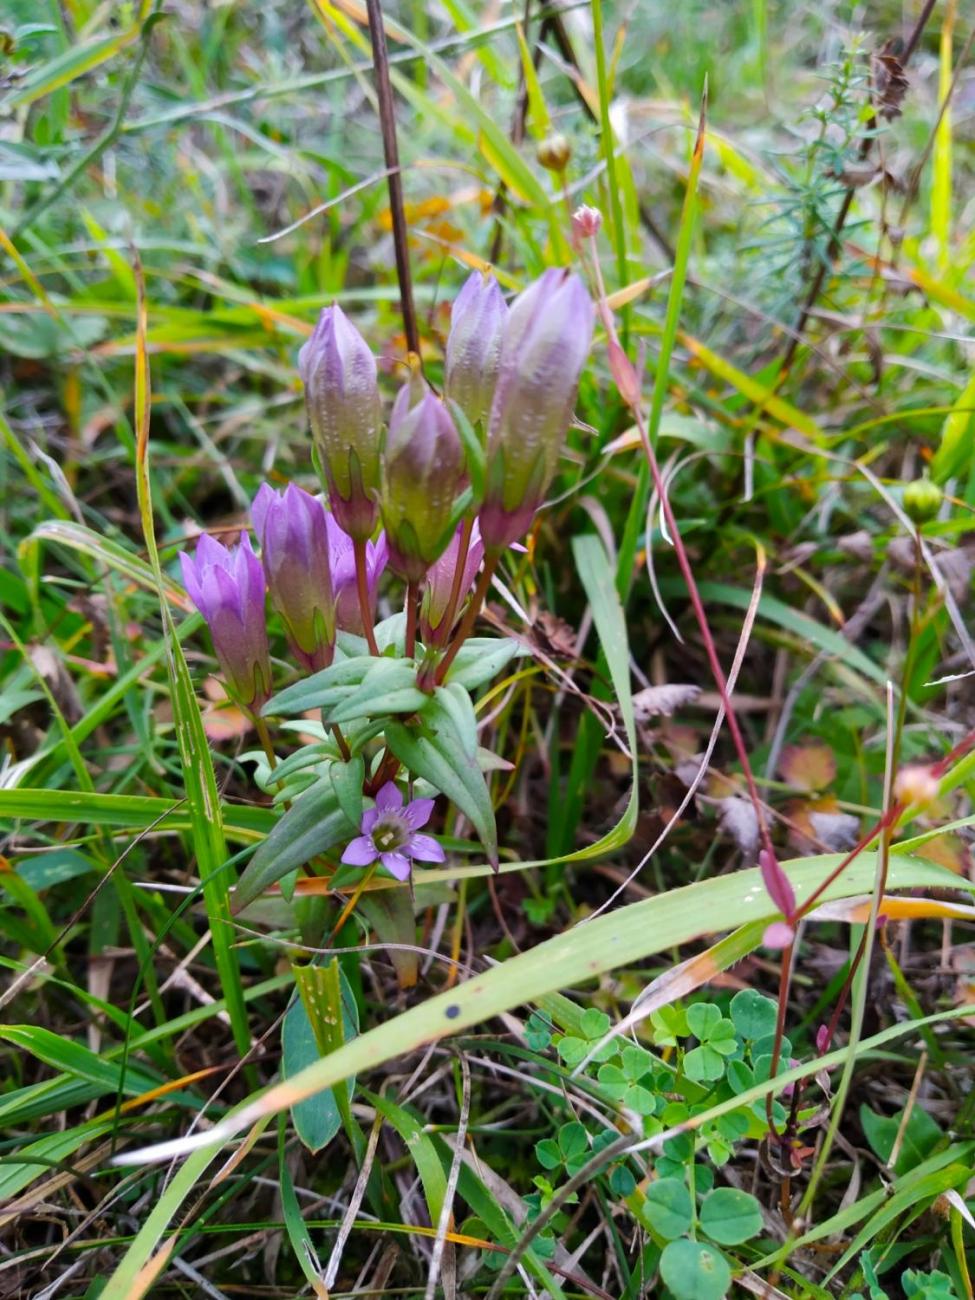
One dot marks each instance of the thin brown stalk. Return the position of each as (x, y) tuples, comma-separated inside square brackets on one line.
[(866, 146), (394, 184)]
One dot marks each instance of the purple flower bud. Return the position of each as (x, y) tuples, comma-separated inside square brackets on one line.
[(544, 347), (293, 534), (777, 884), (423, 475), (348, 615), (227, 587), (338, 370), (440, 582), (477, 319)]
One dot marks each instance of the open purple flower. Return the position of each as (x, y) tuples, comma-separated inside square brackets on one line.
[(227, 587), (390, 834), (342, 562)]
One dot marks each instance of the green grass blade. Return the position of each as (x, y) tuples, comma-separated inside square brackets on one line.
[(202, 796)]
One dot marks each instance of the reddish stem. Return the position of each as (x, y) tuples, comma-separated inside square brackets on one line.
[(412, 596), (362, 586), (470, 616), (450, 613)]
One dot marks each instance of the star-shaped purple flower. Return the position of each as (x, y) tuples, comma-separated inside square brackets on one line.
[(390, 834)]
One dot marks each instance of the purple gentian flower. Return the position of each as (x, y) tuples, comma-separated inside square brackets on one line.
[(293, 531), (338, 371), (348, 616), (423, 475), (390, 834), (477, 319), (227, 587), (544, 346)]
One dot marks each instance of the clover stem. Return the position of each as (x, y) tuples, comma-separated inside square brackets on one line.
[(362, 586)]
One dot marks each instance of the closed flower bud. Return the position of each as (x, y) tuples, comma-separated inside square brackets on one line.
[(293, 534), (439, 583), (545, 345), (423, 475), (586, 222), (917, 786), (554, 153), (922, 500), (338, 370), (227, 587), (477, 319)]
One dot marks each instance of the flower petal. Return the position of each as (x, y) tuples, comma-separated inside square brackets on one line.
[(369, 819), (389, 798), (418, 812), (425, 848), (397, 864), (360, 852)]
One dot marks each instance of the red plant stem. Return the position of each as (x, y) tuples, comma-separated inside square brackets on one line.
[(450, 613), (714, 662), (362, 586), (780, 1014), (470, 616), (412, 596)]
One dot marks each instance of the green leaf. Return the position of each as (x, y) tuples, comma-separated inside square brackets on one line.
[(594, 1023), (421, 1149), (346, 781), (572, 1049), (695, 1271), (390, 913), (730, 1217), (703, 1064), (920, 1136), (702, 1019), (454, 701), (547, 1154), (317, 1119), (573, 1140), (388, 687), (753, 1014), (311, 825), (667, 1207), (320, 688), (480, 659), (435, 751)]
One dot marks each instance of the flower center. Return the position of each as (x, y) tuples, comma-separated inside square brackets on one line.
[(390, 834)]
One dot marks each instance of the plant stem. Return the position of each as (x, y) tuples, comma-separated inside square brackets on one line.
[(450, 613), (609, 156), (470, 616), (341, 741), (264, 736), (362, 586), (412, 597), (394, 182)]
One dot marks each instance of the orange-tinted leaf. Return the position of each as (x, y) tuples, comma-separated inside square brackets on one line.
[(808, 767)]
